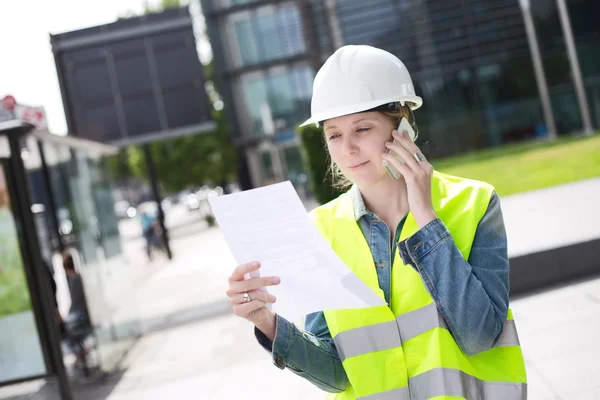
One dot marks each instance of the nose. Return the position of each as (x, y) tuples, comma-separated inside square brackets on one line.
[(349, 146)]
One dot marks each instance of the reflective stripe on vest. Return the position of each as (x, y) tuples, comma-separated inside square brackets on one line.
[(452, 382), (388, 335), (367, 339)]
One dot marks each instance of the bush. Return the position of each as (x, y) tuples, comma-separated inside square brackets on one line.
[(210, 220), (316, 162)]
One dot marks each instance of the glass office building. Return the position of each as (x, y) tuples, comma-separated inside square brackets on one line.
[(586, 33), (469, 60), (265, 78)]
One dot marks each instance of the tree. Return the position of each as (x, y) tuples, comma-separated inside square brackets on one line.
[(208, 158), (316, 161), (118, 166), (163, 5)]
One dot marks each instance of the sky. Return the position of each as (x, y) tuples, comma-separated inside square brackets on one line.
[(27, 69)]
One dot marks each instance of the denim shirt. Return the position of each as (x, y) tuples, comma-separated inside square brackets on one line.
[(472, 295)]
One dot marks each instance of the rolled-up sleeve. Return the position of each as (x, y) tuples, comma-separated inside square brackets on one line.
[(309, 353)]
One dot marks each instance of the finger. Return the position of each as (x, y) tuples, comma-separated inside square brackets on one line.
[(412, 149), (243, 310), (254, 295), (252, 284), (404, 138), (405, 141), (243, 269), (397, 148), (400, 165)]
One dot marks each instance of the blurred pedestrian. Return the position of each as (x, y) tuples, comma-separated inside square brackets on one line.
[(433, 246), (150, 229), (78, 324)]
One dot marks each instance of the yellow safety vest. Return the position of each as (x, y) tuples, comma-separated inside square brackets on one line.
[(405, 351)]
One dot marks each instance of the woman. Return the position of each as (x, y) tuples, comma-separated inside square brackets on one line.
[(78, 324), (433, 246)]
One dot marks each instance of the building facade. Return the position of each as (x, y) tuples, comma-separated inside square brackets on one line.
[(265, 67), (469, 59)]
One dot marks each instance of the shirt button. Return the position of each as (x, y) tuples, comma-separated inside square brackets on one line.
[(280, 360), (380, 265)]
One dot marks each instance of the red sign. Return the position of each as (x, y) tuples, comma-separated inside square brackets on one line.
[(9, 102), (33, 115)]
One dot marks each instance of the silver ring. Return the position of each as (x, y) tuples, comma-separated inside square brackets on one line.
[(419, 156), (246, 298)]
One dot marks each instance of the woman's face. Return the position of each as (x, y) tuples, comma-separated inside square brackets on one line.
[(355, 144)]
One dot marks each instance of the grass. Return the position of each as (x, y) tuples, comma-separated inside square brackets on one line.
[(14, 292), (530, 165)]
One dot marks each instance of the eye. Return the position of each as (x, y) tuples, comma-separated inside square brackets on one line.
[(334, 136), (363, 129)]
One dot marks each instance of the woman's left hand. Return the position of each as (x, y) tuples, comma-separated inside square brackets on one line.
[(417, 175)]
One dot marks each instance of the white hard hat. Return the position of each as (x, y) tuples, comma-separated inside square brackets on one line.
[(360, 78)]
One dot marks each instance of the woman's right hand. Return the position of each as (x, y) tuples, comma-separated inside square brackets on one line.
[(253, 310)]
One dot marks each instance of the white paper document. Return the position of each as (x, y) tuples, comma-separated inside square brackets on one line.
[(271, 225)]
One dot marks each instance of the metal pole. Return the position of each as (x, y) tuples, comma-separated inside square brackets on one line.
[(565, 22), (337, 36), (50, 193), (310, 34), (41, 292), (156, 194), (269, 128), (538, 69)]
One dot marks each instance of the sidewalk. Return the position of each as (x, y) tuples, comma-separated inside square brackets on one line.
[(218, 358), (553, 217), (195, 348)]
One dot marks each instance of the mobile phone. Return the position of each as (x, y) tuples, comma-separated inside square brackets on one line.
[(404, 126)]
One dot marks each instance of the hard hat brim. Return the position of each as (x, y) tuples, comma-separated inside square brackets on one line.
[(414, 102)]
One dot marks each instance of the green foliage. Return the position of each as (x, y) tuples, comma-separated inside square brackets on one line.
[(118, 165), (14, 292), (163, 5), (529, 165), (193, 160), (316, 160), (171, 4), (210, 220)]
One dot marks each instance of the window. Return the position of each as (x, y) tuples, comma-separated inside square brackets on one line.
[(291, 37), (281, 92), (267, 34), (222, 4), (247, 42), (255, 93), (287, 91)]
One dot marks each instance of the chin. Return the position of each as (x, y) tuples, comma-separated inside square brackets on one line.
[(371, 179)]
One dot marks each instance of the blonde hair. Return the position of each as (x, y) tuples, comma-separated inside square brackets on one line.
[(338, 180)]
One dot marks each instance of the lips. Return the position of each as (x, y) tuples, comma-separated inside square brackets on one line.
[(358, 165)]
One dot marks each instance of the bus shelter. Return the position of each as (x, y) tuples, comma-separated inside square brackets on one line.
[(56, 198)]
